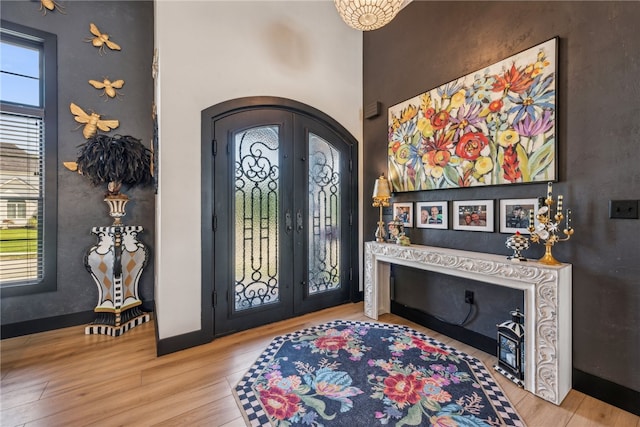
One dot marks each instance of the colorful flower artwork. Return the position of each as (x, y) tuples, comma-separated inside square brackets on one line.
[(495, 126)]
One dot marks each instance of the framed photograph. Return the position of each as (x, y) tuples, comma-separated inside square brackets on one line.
[(473, 215), (432, 215), (515, 215), (404, 212), (499, 121)]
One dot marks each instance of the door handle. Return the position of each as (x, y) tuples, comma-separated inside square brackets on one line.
[(287, 221), (299, 225)]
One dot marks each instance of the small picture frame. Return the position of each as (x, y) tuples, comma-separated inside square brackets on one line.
[(473, 215), (515, 215), (432, 215), (404, 212)]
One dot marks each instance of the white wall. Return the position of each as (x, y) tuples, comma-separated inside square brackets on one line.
[(213, 51)]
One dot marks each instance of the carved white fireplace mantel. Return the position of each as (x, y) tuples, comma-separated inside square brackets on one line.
[(547, 300)]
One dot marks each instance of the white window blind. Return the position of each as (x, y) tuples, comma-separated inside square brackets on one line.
[(21, 198), (28, 160)]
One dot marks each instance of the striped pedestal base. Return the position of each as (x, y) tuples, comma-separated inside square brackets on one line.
[(116, 331)]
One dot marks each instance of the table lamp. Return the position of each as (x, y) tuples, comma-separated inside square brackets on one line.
[(381, 196)]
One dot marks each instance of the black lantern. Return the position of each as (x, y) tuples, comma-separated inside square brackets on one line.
[(511, 348)]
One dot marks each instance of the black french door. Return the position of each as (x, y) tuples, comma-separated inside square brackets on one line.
[(283, 217)]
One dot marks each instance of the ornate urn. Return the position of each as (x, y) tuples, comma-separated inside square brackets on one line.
[(517, 243)]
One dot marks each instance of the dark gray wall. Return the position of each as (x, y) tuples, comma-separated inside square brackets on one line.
[(81, 205), (442, 296), (431, 43)]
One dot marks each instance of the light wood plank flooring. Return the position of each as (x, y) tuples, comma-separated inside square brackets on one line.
[(66, 378)]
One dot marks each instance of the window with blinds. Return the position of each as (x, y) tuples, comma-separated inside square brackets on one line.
[(28, 157)]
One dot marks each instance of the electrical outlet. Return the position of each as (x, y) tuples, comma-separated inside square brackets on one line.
[(623, 209), (468, 297)]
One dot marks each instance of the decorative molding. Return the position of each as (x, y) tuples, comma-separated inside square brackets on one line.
[(547, 294)]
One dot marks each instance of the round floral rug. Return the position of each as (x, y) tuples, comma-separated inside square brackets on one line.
[(354, 374)]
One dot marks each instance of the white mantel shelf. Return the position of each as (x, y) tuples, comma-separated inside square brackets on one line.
[(547, 300)]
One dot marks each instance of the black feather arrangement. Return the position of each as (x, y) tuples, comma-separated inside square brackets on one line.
[(116, 160)]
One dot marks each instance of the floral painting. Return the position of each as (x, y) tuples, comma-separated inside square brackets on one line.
[(495, 126)]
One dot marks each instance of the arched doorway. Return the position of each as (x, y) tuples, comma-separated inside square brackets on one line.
[(279, 192)]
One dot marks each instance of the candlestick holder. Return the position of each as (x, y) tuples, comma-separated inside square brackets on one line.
[(547, 232)]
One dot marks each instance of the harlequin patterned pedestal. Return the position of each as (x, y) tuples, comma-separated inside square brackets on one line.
[(116, 264)]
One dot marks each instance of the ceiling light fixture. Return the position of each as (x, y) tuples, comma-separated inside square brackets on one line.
[(367, 15)]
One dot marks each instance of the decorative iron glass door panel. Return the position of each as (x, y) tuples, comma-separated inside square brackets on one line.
[(252, 216), (256, 228), (325, 273), (280, 214), (324, 216)]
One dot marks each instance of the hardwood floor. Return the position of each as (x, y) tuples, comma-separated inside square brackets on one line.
[(66, 378)]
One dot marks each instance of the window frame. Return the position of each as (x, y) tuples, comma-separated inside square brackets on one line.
[(48, 110)]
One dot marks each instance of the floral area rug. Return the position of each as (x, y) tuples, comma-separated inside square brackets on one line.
[(357, 374)]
